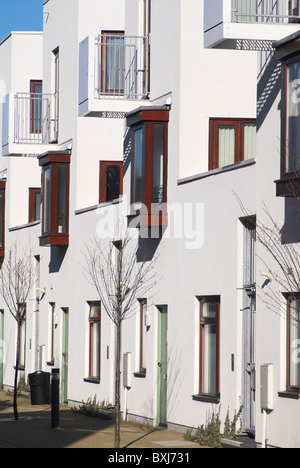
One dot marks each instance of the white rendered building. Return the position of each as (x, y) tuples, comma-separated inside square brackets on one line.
[(171, 107)]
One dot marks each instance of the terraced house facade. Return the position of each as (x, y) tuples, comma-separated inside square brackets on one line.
[(176, 120)]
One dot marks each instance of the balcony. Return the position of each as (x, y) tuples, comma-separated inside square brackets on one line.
[(113, 74), (249, 24), (30, 123)]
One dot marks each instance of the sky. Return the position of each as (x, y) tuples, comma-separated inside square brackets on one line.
[(20, 15)]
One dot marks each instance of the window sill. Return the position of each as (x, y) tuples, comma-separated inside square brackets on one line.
[(24, 226), (207, 398), (294, 395), (54, 239), (139, 220), (94, 380), (213, 172), (50, 363)]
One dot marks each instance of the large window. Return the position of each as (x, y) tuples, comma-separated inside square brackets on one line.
[(292, 141), (111, 180), (55, 180), (94, 340), (209, 347), (149, 164), (231, 141), (293, 344)]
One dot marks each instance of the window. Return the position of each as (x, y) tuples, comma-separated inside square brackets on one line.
[(94, 340), (112, 62), (111, 180), (22, 341), (52, 332), (293, 344), (36, 100), (231, 141), (142, 338), (35, 201), (55, 199), (149, 164), (2, 218), (209, 347)]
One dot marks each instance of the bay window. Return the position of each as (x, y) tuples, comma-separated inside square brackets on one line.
[(149, 164), (55, 199)]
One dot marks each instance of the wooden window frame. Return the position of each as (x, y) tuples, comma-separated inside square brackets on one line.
[(214, 124), (33, 84), (32, 204), (141, 317), (103, 179), (202, 396), (52, 161), (2, 225), (103, 87), (21, 366), (93, 321), (146, 119), (290, 388)]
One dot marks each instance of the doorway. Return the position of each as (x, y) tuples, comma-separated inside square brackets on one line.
[(162, 383), (65, 354)]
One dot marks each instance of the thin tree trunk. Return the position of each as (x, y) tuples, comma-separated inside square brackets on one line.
[(15, 403), (117, 388)]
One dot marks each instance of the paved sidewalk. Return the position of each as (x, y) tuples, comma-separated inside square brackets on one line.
[(33, 430)]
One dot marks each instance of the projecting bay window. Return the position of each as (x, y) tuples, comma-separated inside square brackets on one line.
[(231, 141), (209, 348), (289, 183), (2, 218), (149, 164), (55, 199)]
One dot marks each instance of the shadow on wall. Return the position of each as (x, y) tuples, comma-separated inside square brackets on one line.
[(57, 255)]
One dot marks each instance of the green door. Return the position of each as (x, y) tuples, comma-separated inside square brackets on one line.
[(64, 366), (1, 347), (162, 365)]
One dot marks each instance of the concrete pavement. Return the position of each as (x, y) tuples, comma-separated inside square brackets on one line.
[(33, 430)]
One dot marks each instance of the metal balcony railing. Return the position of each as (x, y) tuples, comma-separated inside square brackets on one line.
[(266, 11), (35, 118), (121, 66)]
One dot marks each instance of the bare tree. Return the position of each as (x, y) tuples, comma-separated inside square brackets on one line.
[(16, 281), (281, 250), (121, 273)]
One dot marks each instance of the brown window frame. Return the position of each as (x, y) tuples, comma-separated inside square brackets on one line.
[(33, 118), (204, 321), (289, 387), (214, 124), (52, 236), (93, 321), (145, 120), (103, 85), (142, 370), (2, 220), (103, 179), (22, 319), (33, 192)]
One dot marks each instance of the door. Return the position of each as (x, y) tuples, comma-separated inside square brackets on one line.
[(1, 347), (64, 366), (162, 365), (249, 313)]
